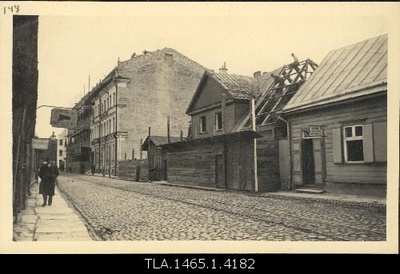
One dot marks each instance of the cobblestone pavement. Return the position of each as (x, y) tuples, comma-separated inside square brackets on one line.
[(124, 210)]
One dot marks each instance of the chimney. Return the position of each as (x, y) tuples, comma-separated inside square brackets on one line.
[(223, 69), (169, 56), (257, 74)]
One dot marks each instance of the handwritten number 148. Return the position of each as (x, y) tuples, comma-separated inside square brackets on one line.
[(12, 9)]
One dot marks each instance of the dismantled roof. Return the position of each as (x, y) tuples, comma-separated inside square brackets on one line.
[(352, 71), (273, 90)]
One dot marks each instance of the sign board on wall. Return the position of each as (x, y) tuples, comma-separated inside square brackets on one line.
[(313, 131), (64, 118), (40, 143)]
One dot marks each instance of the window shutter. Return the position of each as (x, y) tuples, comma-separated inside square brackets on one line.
[(337, 145), (380, 142), (368, 144)]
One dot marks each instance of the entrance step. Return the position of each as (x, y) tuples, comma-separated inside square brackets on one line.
[(310, 190)]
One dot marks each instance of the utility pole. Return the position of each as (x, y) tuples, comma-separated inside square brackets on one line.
[(168, 129)]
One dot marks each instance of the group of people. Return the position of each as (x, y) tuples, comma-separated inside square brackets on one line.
[(48, 174)]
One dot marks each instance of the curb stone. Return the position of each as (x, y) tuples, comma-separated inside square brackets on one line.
[(326, 200), (89, 226)]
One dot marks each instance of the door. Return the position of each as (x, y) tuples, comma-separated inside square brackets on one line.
[(220, 171), (307, 160), (319, 161), (164, 171), (156, 175)]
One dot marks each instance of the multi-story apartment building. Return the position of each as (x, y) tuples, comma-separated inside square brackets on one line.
[(62, 149), (140, 93), (78, 147)]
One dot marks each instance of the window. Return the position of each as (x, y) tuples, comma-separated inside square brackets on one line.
[(60, 153), (218, 121), (353, 143), (61, 142), (203, 125)]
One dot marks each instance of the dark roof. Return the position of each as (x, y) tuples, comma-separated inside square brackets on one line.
[(159, 140), (349, 72), (238, 86)]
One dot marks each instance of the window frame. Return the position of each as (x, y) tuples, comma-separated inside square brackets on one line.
[(216, 124), (202, 129), (352, 138)]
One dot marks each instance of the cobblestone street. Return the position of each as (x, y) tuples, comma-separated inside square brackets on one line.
[(124, 210)]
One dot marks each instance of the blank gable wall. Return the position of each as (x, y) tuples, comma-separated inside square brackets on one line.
[(210, 94)]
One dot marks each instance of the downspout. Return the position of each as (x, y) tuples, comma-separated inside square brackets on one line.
[(99, 113), (116, 132), (253, 123), (290, 149)]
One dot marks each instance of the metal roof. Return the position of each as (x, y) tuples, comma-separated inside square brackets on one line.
[(345, 73)]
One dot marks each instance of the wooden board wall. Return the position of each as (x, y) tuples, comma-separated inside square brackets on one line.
[(369, 111), (268, 162), (196, 165)]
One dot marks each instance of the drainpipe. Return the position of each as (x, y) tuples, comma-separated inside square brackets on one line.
[(116, 132), (99, 114), (253, 116), (290, 149)]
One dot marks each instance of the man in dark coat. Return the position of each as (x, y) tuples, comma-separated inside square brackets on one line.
[(48, 174)]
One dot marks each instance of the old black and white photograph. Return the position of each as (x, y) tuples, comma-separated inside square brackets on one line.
[(199, 127)]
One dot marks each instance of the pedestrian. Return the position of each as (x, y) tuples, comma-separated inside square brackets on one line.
[(48, 174), (93, 169)]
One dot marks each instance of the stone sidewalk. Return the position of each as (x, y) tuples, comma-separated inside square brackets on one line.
[(58, 222), (325, 197)]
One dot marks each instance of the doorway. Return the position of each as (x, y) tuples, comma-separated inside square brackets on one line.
[(308, 162), (220, 172)]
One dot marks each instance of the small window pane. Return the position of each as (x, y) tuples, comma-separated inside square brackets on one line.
[(218, 120), (359, 131), (203, 124), (355, 151), (348, 132)]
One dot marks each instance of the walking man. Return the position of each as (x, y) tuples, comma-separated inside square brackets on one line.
[(48, 174)]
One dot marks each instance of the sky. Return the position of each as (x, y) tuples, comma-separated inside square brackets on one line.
[(74, 46)]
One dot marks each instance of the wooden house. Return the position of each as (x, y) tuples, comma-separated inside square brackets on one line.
[(227, 147), (338, 122), (272, 91), (157, 168)]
